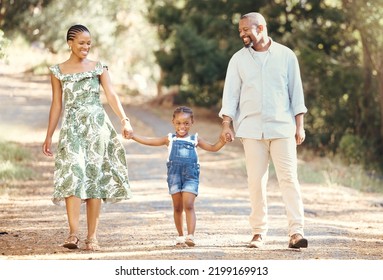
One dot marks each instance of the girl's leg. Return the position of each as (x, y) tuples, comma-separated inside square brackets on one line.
[(188, 202), (177, 212)]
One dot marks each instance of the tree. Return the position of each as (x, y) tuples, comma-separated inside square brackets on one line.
[(12, 13), (4, 42), (329, 57), (197, 39), (121, 37), (366, 18)]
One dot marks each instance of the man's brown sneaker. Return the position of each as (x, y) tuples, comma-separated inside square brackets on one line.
[(256, 242), (297, 241)]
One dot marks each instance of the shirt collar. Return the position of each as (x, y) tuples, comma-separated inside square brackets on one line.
[(271, 47)]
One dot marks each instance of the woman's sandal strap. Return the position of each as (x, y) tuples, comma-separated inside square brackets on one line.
[(92, 244), (70, 243)]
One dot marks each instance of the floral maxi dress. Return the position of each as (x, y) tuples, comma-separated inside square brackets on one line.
[(90, 161)]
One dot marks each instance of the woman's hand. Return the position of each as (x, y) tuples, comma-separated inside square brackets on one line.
[(127, 130), (47, 147)]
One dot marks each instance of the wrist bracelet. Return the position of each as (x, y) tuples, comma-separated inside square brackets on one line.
[(226, 122), (125, 119)]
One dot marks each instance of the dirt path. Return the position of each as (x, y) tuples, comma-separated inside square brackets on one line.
[(341, 223)]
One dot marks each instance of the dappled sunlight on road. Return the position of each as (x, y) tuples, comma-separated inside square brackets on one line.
[(341, 223)]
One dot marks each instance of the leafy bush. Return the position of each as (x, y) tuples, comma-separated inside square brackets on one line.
[(351, 149), (4, 42)]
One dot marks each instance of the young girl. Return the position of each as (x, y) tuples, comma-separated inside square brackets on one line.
[(183, 169), (90, 164)]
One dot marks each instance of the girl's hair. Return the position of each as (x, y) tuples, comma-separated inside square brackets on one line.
[(183, 109), (73, 30)]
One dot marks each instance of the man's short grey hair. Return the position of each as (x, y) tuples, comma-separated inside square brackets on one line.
[(255, 18)]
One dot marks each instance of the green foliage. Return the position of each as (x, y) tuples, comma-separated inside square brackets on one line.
[(121, 36), (13, 152), (332, 170), (11, 171), (13, 13), (338, 44), (197, 39), (12, 160), (4, 42), (351, 148)]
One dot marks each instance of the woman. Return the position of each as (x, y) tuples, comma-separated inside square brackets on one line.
[(90, 164)]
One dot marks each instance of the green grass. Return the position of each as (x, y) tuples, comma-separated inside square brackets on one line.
[(13, 159), (329, 171), (353, 176)]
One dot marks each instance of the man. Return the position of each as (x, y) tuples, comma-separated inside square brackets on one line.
[(263, 98)]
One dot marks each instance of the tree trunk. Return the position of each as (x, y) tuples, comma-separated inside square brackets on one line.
[(160, 83), (380, 86), (366, 115)]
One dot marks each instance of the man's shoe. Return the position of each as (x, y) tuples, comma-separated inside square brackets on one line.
[(297, 241), (256, 242)]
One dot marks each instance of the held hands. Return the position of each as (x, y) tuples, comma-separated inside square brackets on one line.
[(227, 134), (127, 130), (229, 137)]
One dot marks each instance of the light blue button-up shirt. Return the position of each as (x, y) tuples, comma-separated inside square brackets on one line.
[(263, 95)]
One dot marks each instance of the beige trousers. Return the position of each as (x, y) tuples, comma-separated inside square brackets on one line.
[(283, 153)]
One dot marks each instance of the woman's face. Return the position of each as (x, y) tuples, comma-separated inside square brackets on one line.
[(80, 45)]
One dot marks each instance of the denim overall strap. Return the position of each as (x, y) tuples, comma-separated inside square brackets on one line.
[(183, 151)]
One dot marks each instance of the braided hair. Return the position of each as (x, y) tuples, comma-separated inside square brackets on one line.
[(183, 109), (73, 30)]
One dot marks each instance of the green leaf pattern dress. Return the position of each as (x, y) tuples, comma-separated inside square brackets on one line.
[(90, 161)]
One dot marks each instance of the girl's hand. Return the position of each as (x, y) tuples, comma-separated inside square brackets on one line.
[(227, 135)]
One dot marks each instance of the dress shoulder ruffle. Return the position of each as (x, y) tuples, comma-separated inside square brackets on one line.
[(75, 77)]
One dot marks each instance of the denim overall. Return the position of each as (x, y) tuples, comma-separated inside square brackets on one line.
[(183, 166)]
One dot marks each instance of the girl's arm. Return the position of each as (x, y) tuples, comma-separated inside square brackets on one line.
[(211, 147), (114, 102), (54, 114), (151, 141)]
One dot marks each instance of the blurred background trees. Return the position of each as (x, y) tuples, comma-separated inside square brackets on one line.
[(156, 47), (121, 35)]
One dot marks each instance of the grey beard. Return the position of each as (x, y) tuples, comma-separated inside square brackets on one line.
[(249, 45)]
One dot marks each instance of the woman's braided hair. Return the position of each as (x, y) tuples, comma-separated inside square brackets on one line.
[(73, 30)]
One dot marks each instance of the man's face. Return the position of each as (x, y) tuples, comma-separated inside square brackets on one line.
[(247, 32)]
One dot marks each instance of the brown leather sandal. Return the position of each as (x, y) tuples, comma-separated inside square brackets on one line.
[(91, 244), (71, 242)]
